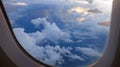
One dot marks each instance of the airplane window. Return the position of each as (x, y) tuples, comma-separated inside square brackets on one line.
[(61, 33)]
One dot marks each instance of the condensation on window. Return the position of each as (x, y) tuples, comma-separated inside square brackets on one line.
[(61, 33)]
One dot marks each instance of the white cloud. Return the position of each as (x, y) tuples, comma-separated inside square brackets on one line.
[(38, 36), (47, 54), (51, 31), (24, 39), (39, 21), (77, 57), (19, 3), (51, 54), (89, 51)]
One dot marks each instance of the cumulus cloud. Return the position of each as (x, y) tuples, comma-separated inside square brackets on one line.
[(50, 54), (44, 54), (47, 54), (24, 39), (53, 54), (51, 31)]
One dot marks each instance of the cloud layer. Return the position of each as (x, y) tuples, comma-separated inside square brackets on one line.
[(46, 53)]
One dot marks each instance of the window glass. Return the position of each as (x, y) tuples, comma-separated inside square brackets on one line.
[(61, 33)]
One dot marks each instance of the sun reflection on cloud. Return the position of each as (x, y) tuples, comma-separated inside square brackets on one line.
[(82, 10), (79, 10), (80, 19)]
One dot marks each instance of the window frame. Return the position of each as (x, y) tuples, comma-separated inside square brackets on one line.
[(21, 58)]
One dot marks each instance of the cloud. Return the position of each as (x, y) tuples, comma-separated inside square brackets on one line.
[(38, 36), (52, 54), (89, 51), (47, 54), (51, 31), (25, 40), (44, 54), (77, 57), (19, 3)]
